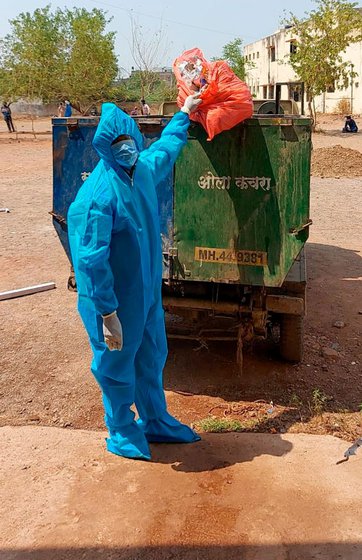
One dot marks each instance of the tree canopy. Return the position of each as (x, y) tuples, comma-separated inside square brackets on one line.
[(66, 54), (233, 53), (321, 38)]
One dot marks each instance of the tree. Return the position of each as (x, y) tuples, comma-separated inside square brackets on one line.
[(91, 63), (147, 52), (51, 56), (31, 62), (233, 53), (321, 39), (160, 90)]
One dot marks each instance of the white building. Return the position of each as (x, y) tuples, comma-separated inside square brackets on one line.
[(270, 58)]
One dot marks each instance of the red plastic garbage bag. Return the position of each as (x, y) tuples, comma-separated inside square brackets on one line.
[(226, 100)]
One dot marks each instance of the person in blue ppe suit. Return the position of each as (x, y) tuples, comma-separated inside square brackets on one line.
[(115, 242)]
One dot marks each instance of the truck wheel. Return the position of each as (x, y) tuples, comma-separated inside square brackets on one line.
[(291, 337), (72, 285)]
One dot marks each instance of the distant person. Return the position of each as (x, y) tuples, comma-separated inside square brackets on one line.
[(350, 125), (134, 112), (6, 112), (68, 109), (61, 109), (146, 111)]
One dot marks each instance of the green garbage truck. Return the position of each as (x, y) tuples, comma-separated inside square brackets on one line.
[(234, 220)]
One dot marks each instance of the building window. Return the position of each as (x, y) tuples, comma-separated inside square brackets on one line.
[(271, 92), (265, 92), (293, 47), (257, 54), (254, 56), (331, 88), (249, 56), (272, 54)]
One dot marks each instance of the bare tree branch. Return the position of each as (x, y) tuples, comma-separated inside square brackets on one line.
[(148, 50)]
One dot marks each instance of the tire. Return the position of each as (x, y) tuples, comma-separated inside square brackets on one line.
[(291, 337), (72, 285)]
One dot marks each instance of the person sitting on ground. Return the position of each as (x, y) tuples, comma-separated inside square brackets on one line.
[(134, 112), (350, 125), (6, 112)]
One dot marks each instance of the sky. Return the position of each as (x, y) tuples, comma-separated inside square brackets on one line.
[(206, 24)]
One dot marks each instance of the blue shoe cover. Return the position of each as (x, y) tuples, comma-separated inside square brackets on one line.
[(135, 447), (167, 430)]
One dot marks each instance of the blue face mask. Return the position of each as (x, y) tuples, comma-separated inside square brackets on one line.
[(125, 153)]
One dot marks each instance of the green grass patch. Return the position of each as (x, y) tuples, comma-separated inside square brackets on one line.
[(215, 425), (319, 400)]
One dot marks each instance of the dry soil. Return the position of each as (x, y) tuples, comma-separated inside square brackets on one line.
[(61, 488)]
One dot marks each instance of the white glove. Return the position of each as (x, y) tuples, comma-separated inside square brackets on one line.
[(191, 103), (112, 331)]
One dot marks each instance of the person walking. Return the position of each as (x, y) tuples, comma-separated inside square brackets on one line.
[(115, 241), (6, 112)]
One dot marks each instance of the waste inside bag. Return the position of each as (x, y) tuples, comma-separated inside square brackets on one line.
[(226, 100)]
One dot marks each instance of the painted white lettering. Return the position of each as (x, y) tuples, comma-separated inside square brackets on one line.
[(210, 181), (84, 175)]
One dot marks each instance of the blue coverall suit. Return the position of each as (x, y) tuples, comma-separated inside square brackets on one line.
[(115, 241)]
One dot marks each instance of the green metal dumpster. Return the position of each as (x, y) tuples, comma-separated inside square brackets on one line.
[(234, 217), (241, 219)]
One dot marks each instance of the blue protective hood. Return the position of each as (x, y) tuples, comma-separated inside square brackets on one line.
[(114, 122)]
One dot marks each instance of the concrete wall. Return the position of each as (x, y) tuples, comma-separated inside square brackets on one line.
[(267, 72), (21, 108)]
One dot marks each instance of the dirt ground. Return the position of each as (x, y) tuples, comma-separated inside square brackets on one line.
[(45, 355), (335, 153), (275, 495), (227, 497)]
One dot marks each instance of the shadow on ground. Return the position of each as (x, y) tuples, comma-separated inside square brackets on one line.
[(336, 133), (218, 451), (290, 551), (333, 293), (199, 378)]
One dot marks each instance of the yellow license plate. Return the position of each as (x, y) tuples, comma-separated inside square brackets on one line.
[(231, 256)]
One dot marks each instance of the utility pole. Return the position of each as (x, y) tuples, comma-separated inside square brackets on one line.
[(351, 77)]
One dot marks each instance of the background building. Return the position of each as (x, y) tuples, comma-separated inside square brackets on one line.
[(270, 64)]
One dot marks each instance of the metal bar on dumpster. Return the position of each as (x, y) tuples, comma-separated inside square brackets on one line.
[(191, 303), (197, 337), (285, 304), (27, 291)]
